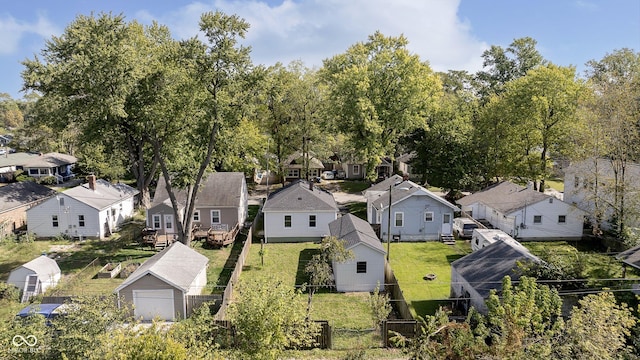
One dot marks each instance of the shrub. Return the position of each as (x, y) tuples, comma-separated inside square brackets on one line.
[(49, 180), (9, 292)]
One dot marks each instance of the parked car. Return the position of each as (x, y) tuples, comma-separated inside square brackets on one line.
[(328, 175), (48, 311), (463, 227)]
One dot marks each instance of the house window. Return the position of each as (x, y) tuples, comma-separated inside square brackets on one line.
[(287, 221), (399, 217), (156, 221), (537, 219), (196, 216), (312, 221), (215, 216), (576, 182), (562, 219), (428, 216), (44, 171), (550, 200), (54, 220), (61, 201), (168, 222), (33, 171), (81, 220), (293, 173), (361, 267), (356, 169), (446, 218)]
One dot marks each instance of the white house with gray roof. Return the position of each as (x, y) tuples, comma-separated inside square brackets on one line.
[(524, 213), (417, 214), (95, 210), (373, 192), (160, 286), (298, 212), (365, 270)]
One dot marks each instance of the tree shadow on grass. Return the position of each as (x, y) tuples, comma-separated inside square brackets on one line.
[(454, 257), (230, 264), (303, 260), (429, 307)]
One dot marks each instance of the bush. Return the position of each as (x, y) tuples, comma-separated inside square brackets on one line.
[(24, 177), (49, 180), (9, 292)]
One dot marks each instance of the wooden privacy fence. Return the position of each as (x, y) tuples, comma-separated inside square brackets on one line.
[(397, 298), (406, 328), (195, 301), (235, 275)]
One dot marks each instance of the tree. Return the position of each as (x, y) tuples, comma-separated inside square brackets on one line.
[(615, 84), (380, 306), (378, 92), (597, 329), (87, 78), (205, 96), (320, 269), (446, 152), (147, 343), (10, 113), (503, 65), (268, 317)]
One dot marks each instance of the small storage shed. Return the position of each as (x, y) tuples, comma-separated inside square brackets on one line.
[(35, 277), (160, 286), (366, 270)]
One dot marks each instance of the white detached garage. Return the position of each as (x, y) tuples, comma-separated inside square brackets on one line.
[(35, 277), (159, 287)]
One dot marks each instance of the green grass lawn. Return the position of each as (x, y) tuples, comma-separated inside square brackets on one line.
[(556, 184), (348, 314), (358, 209), (354, 187), (411, 261)]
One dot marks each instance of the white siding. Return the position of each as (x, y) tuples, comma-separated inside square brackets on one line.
[(39, 217), (458, 287), (274, 224), (346, 277), (549, 227), (18, 277), (198, 283)]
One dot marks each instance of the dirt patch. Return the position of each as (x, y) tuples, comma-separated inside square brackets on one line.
[(62, 248)]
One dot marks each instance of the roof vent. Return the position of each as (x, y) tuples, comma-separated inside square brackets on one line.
[(299, 198)]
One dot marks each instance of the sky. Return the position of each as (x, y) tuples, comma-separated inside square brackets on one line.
[(449, 34)]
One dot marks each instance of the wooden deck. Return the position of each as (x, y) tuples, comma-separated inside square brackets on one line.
[(217, 235), (151, 238)]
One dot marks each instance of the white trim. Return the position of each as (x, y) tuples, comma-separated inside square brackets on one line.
[(219, 216), (196, 215), (395, 219), (425, 216), (153, 221)]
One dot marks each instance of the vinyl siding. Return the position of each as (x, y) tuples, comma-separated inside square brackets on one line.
[(150, 282), (346, 277), (414, 227), (274, 225)]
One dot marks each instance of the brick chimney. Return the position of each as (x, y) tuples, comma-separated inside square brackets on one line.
[(91, 179)]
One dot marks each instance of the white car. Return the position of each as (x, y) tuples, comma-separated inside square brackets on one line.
[(327, 175)]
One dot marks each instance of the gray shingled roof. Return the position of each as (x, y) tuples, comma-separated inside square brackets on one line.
[(16, 159), (177, 265), (43, 265), (630, 257), (218, 189), (294, 161), (50, 160), (353, 231), (505, 197), (384, 185), (484, 269), (298, 196), (405, 189), (22, 193), (105, 195)]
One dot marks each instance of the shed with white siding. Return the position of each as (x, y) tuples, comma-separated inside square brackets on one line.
[(36, 276)]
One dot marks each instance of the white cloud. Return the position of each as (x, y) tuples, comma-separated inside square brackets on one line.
[(314, 30), (13, 31)]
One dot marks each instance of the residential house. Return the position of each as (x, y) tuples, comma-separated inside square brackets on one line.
[(160, 286), (51, 164), (417, 214), (298, 212), (15, 199), (295, 164), (404, 164), (376, 190), (475, 275), (524, 213), (593, 181), (10, 163), (365, 270), (222, 202), (5, 140), (95, 209), (35, 277)]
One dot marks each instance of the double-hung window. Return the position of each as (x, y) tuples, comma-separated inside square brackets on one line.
[(215, 216), (312, 221), (399, 219), (287, 221)]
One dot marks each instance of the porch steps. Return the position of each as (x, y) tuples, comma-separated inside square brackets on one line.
[(448, 239)]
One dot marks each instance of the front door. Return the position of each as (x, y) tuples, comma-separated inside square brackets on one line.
[(168, 224), (446, 224)]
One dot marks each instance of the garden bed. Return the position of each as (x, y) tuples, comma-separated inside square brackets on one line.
[(109, 271)]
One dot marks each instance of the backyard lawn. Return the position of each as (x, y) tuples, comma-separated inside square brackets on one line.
[(347, 313), (411, 261)]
